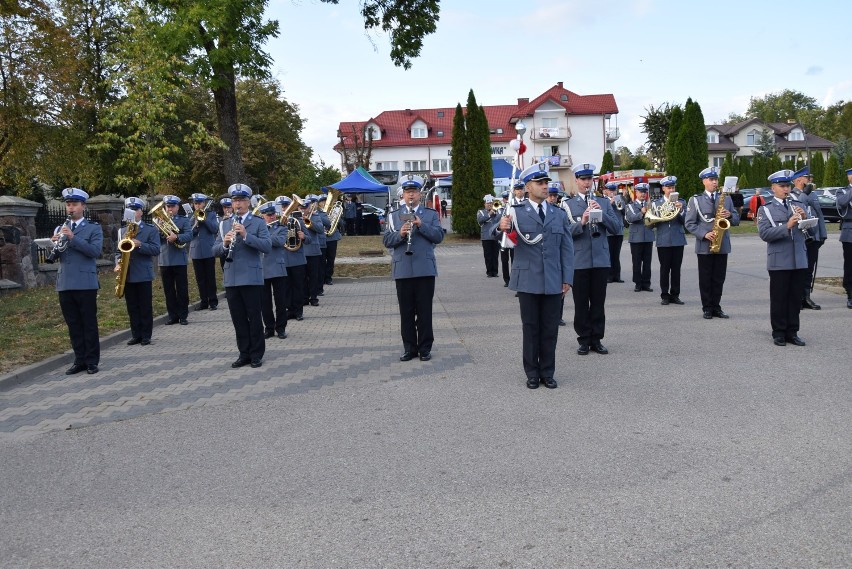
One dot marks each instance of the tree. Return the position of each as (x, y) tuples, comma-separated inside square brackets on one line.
[(475, 172), (842, 150), (675, 120), (817, 167), (779, 107), (357, 147), (690, 150), (766, 144), (607, 163), (458, 152), (655, 125), (834, 175)]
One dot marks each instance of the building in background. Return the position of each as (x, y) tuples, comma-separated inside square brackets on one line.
[(791, 141)]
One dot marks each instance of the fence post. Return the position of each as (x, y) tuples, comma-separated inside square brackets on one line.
[(107, 210), (17, 231)]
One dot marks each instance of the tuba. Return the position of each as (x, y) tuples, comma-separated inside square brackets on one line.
[(125, 246), (165, 223), (334, 211)]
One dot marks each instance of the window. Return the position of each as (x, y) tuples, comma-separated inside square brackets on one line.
[(499, 131), (548, 123), (418, 132), (796, 134), (718, 160), (387, 165), (554, 151), (440, 114), (415, 165), (440, 134), (752, 137), (441, 165), (712, 137), (790, 158), (563, 97)]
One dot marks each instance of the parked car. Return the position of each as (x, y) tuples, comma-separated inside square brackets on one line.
[(829, 208), (372, 220), (830, 191)]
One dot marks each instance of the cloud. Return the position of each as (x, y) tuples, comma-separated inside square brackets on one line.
[(814, 70)]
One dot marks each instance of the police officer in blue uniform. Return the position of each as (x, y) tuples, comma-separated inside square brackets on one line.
[(641, 239), (487, 219), (816, 235), (615, 239), (313, 251), (79, 243), (331, 250), (591, 260), (173, 263), (505, 253), (274, 304), (844, 206), (201, 252), (296, 265), (140, 275), (321, 200), (786, 258), (227, 212), (241, 240), (699, 220), (412, 233), (671, 241), (542, 272)]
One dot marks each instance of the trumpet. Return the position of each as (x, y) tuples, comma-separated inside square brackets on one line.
[(307, 217), (595, 216), (164, 223), (60, 244), (804, 223)]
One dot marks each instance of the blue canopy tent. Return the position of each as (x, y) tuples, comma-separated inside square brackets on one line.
[(359, 182)]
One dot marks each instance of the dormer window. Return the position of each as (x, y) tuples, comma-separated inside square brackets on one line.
[(372, 132), (712, 137), (440, 114), (795, 135), (418, 132), (563, 97), (752, 138)]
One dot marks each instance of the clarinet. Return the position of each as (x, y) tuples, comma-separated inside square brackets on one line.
[(230, 254), (60, 244), (411, 227)]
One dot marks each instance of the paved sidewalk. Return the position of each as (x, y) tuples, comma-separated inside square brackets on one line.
[(694, 443)]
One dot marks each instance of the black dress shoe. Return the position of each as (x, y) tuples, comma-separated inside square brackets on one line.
[(92, 369), (599, 348), (76, 368), (321, 293), (171, 321), (563, 323), (779, 341), (183, 322), (299, 318), (647, 289), (406, 357), (328, 282), (241, 362), (708, 314), (610, 280), (532, 382), (849, 303), (268, 334), (256, 363), (720, 314), (665, 302), (282, 335), (549, 382), (675, 300), (810, 304), (618, 281), (315, 303), (505, 284), (637, 288), (134, 341), (213, 307), (795, 340), (145, 341), (202, 307), (425, 356), (583, 349)]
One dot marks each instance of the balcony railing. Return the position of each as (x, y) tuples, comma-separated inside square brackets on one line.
[(612, 135), (557, 160), (561, 133)]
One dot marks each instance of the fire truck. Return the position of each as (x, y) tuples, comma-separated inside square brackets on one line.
[(630, 178)]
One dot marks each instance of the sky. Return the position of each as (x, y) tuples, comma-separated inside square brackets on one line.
[(644, 52)]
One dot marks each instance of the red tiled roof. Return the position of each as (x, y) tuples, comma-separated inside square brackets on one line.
[(575, 105)]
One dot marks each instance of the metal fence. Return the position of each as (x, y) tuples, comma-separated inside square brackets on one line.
[(49, 217)]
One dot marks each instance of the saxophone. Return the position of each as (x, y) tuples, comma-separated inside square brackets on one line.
[(126, 246), (720, 226)]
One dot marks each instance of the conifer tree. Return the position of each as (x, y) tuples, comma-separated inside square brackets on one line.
[(458, 149), (675, 121), (817, 167), (689, 154), (476, 175), (834, 174), (607, 163)]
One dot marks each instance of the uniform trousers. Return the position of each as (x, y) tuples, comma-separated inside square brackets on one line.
[(176, 287), (349, 222), (490, 250), (785, 301), (244, 303), (540, 322), (642, 254), (137, 297), (312, 277), (330, 256), (671, 258), (847, 267), (615, 242), (205, 277), (80, 310), (813, 256), (505, 255), (589, 292), (275, 292), (415, 312), (296, 290), (711, 279)]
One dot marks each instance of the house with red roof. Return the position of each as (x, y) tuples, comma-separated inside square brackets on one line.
[(559, 126)]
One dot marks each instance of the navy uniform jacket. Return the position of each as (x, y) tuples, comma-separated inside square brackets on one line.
[(700, 213), (141, 268), (246, 266), (203, 237), (811, 206), (785, 248), (591, 252), (620, 214), (543, 268), (423, 241), (486, 223), (296, 258), (325, 222), (170, 255), (844, 207), (637, 232), (77, 267), (275, 262), (670, 233), (312, 246)]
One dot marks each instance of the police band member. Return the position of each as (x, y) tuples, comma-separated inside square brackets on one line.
[(331, 252), (241, 240), (140, 275), (227, 212), (78, 244), (699, 220), (321, 200), (786, 258), (542, 272), (412, 233), (313, 251), (274, 302), (844, 207), (615, 239), (505, 253), (591, 260), (296, 264), (201, 252), (487, 219), (671, 240), (816, 235), (173, 262), (641, 239)]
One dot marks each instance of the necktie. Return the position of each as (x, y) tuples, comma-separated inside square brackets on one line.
[(786, 206), (73, 226), (541, 211)]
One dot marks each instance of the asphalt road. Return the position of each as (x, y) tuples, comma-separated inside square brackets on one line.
[(692, 444)]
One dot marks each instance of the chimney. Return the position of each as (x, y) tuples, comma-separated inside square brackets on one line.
[(408, 111), (559, 85), (523, 101), (791, 121)]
